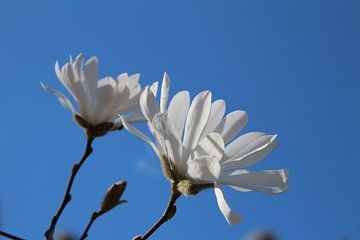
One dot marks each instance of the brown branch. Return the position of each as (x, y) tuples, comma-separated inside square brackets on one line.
[(167, 215), (49, 234), (10, 236), (94, 216)]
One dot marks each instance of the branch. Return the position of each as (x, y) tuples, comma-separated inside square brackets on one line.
[(8, 235), (49, 234), (94, 216), (167, 215)]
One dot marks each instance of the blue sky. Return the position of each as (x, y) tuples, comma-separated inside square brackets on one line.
[(294, 66)]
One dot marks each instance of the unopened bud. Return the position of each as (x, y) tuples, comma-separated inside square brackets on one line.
[(112, 197), (186, 187)]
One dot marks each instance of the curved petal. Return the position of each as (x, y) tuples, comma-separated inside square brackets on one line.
[(138, 133), (61, 97), (231, 125), (133, 83), (204, 168), (230, 216), (178, 110), (268, 181), (253, 153), (105, 94), (91, 73), (165, 88), (212, 145), (154, 88), (216, 114), (166, 134), (241, 143), (63, 80), (148, 104), (197, 118)]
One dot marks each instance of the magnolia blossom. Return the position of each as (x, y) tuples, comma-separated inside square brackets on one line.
[(197, 140), (99, 101)]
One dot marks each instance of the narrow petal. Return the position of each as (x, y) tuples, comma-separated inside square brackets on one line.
[(216, 114), (212, 145), (154, 88), (230, 216), (268, 181), (241, 143), (63, 80), (178, 110), (61, 97), (165, 88), (148, 104), (120, 95), (138, 133), (231, 125), (197, 118), (133, 81), (104, 97), (253, 153), (91, 73), (173, 145), (204, 168)]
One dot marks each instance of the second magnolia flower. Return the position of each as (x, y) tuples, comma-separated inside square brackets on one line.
[(196, 142), (99, 101)]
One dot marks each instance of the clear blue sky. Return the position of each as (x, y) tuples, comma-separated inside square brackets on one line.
[(294, 66)]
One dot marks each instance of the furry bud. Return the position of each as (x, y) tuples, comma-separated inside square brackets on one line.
[(112, 197)]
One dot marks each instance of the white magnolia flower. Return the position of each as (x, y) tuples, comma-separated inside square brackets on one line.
[(99, 101), (203, 153)]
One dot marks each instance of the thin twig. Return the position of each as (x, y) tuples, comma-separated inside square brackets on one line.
[(167, 215), (10, 236), (49, 234), (94, 216)]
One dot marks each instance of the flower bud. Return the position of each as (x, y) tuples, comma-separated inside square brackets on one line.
[(112, 197)]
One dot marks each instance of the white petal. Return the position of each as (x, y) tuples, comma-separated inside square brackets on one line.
[(63, 80), (171, 143), (197, 118), (231, 125), (120, 96), (178, 110), (165, 88), (216, 114), (230, 216), (241, 143), (204, 168), (91, 73), (105, 95), (138, 133), (133, 81), (122, 79), (154, 88), (253, 153), (212, 145), (62, 98), (85, 108), (268, 181), (148, 104), (77, 65)]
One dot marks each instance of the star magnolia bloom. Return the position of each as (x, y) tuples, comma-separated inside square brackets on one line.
[(99, 101), (204, 152)]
